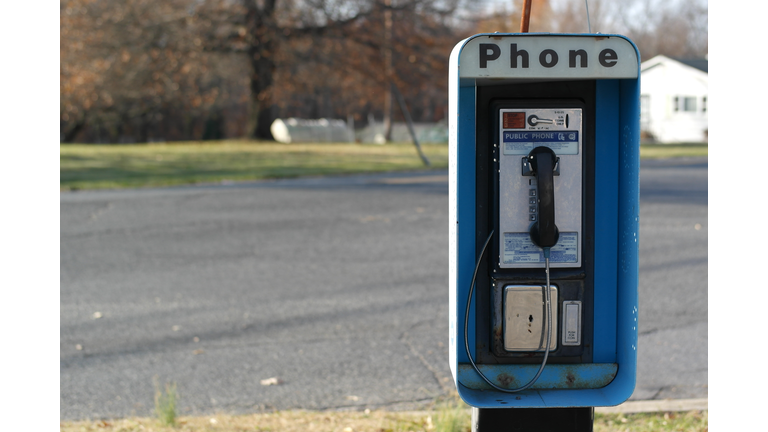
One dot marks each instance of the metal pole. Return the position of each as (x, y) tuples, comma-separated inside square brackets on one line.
[(409, 122), (526, 18), (533, 419)]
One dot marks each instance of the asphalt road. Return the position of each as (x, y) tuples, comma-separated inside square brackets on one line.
[(336, 287), (673, 329)]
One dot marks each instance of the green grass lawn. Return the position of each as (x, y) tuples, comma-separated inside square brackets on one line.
[(661, 151), (86, 166), (147, 165)]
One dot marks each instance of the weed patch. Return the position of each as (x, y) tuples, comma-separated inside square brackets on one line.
[(165, 404)]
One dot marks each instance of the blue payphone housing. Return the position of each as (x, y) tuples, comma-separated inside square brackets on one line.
[(577, 95)]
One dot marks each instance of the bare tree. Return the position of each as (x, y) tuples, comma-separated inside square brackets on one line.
[(505, 18), (275, 35), (677, 28), (259, 29), (127, 64), (175, 67)]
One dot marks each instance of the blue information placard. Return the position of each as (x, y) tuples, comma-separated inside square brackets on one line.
[(520, 143)]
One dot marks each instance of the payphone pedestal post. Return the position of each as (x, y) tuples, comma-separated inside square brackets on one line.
[(533, 420)]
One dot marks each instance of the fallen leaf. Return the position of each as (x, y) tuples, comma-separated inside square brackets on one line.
[(271, 381)]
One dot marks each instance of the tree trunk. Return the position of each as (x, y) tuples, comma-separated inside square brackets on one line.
[(262, 28), (388, 70), (71, 133), (260, 115)]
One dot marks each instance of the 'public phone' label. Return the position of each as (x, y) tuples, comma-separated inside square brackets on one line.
[(520, 143)]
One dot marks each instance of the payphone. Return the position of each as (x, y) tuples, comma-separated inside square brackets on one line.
[(544, 154)]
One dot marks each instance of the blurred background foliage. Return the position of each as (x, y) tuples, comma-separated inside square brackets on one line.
[(167, 70)]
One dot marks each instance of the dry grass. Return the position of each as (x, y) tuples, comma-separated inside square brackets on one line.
[(378, 421), (284, 421), (689, 421)]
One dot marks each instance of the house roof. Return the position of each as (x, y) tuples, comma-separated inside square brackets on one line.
[(700, 64)]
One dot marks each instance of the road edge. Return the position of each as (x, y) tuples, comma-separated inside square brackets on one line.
[(660, 405)]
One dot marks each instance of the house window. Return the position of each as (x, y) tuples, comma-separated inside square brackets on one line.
[(685, 103), (689, 104), (645, 111)]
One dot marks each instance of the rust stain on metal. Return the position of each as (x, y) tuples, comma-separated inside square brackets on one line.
[(570, 379), (561, 376), (505, 379)]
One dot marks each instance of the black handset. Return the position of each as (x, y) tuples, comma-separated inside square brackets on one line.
[(544, 232)]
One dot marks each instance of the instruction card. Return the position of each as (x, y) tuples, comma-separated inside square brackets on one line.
[(518, 248)]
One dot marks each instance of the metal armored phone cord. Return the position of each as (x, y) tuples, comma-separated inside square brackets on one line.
[(549, 322)]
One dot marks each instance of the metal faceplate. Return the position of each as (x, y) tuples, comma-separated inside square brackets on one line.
[(520, 131), (525, 322)]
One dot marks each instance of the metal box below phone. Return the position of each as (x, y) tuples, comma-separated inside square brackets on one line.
[(525, 322)]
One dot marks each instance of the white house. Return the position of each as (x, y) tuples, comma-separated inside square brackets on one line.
[(673, 100)]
